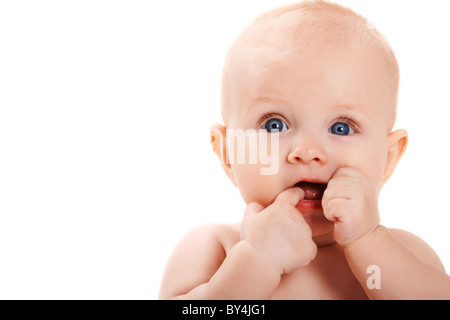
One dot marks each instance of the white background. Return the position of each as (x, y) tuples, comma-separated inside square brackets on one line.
[(105, 162)]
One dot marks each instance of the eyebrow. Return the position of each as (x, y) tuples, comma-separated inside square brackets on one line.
[(267, 99), (274, 99), (353, 107), (348, 106)]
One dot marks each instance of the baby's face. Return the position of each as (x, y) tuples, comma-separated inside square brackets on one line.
[(333, 108)]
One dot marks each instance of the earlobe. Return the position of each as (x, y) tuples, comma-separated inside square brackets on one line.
[(218, 134), (397, 143)]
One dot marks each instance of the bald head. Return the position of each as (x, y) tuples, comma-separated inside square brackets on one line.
[(292, 30)]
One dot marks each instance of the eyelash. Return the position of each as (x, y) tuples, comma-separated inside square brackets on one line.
[(268, 116), (349, 122), (343, 119)]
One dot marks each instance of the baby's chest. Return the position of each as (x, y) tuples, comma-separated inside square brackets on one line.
[(318, 284)]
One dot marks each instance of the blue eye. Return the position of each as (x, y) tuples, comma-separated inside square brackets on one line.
[(341, 129), (275, 125)]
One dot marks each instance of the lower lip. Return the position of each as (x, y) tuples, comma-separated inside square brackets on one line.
[(308, 206)]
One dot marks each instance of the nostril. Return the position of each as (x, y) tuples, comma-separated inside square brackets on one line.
[(307, 155)]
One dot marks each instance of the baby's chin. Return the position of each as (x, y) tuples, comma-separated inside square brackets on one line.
[(321, 227), (312, 212)]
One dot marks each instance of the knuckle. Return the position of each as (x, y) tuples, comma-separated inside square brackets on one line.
[(312, 249), (281, 207), (308, 254), (329, 207), (333, 207)]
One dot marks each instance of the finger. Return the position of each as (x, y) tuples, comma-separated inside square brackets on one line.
[(253, 207), (337, 191), (334, 210), (290, 196), (347, 172), (341, 181)]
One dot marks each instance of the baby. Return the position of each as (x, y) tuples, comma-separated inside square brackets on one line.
[(323, 82)]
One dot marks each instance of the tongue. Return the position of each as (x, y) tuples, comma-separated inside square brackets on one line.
[(313, 191)]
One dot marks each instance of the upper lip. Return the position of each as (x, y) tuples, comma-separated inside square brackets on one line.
[(310, 180)]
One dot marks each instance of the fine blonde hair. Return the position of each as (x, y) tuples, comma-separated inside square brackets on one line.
[(291, 28)]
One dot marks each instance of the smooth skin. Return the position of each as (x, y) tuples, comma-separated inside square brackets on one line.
[(278, 252)]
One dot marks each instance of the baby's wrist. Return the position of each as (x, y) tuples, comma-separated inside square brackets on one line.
[(363, 238), (262, 257)]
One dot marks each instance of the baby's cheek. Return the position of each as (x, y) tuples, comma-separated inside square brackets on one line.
[(255, 187), (369, 160)]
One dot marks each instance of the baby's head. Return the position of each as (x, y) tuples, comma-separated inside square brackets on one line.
[(323, 81)]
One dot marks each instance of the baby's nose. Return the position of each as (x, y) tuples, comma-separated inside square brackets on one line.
[(306, 152)]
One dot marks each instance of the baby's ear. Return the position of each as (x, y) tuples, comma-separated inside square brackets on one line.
[(397, 142), (218, 135)]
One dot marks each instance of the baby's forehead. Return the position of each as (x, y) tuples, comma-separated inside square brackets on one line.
[(294, 29)]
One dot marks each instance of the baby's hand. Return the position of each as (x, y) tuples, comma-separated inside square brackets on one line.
[(351, 200), (279, 232)]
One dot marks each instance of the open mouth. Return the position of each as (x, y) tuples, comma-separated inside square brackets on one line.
[(313, 191)]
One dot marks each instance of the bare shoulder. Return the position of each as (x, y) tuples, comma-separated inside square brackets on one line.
[(418, 247), (197, 257)]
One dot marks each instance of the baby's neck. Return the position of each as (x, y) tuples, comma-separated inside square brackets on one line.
[(324, 240)]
